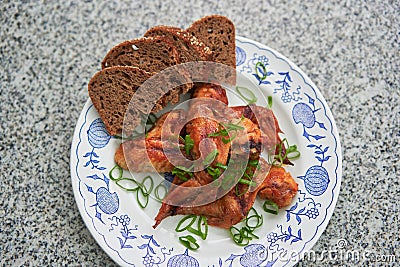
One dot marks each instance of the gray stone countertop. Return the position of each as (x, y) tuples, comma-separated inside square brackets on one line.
[(50, 50)]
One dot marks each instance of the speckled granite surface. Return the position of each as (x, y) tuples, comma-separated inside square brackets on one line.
[(49, 51)]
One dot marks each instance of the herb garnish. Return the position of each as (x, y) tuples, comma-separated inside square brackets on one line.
[(244, 235), (189, 144), (246, 94), (185, 224), (182, 172), (226, 128), (270, 207), (143, 189), (278, 155)]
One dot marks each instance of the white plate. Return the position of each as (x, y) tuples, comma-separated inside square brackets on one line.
[(124, 230)]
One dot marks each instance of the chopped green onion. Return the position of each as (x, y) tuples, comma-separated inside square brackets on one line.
[(126, 184), (189, 242), (210, 157), (145, 190), (234, 126), (223, 132), (186, 225), (214, 172), (120, 171), (143, 198), (292, 152), (264, 70), (250, 98), (269, 102), (225, 128), (245, 234), (239, 194), (256, 217), (131, 185), (200, 231), (156, 191), (222, 166), (178, 228), (239, 237), (202, 221), (189, 144), (270, 207), (253, 162), (277, 157), (182, 172), (230, 139), (249, 183)]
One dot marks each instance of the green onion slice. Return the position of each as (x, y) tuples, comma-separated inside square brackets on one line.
[(128, 184), (245, 234), (264, 70), (246, 94), (189, 144), (182, 172), (269, 102), (147, 189), (253, 221), (277, 158), (187, 222), (179, 227), (189, 242), (120, 171), (210, 157), (157, 194), (142, 199), (271, 207)]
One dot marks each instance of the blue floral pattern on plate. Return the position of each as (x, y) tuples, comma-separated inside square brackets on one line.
[(123, 230)]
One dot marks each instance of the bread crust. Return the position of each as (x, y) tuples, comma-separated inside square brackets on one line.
[(183, 41)]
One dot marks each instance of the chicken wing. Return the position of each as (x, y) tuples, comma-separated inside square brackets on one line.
[(265, 119), (199, 129), (273, 183), (134, 152), (131, 154)]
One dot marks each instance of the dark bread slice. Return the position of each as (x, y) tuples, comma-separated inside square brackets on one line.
[(111, 90), (188, 46), (150, 54), (114, 93), (218, 33)]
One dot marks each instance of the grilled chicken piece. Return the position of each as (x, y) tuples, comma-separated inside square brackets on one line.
[(199, 128), (131, 154), (280, 187), (205, 121), (133, 151), (184, 199), (272, 183), (276, 185), (265, 119)]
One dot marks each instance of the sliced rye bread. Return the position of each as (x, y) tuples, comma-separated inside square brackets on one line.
[(188, 46), (113, 93), (218, 33), (150, 54)]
